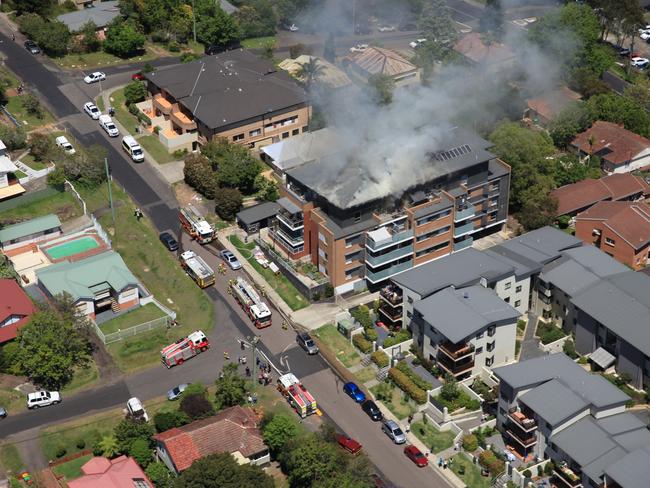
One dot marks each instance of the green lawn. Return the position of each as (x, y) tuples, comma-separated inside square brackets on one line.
[(138, 244), (338, 344), (471, 474), (98, 59), (10, 459), (433, 438), (12, 400), (71, 469), (128, 121), (155, 148), (279, 282), (30, 161), (29, 121), (366, 374), (130, 319), (99, 101), (548, 333), (82, 379), (19, 174), (258, 42), (63, 204), (9, 77), (400, 407)]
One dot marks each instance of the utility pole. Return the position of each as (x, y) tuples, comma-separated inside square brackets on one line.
[(110, 190)]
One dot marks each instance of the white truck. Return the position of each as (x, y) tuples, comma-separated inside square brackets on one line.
[(42, 399)]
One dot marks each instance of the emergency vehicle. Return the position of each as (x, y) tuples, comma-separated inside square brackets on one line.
[(251, 303), (195, 225), (184, 349), (297, 395), (197, 268)]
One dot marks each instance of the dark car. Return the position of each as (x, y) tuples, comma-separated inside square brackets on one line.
[(32, 47), (168, 240), (220, 48), (372, 410), (353, 391), (415, 455), (307, 343), (348, 443)]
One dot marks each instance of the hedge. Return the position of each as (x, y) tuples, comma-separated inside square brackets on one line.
[(380, 358), (407, 386), (401, 336), (362, 343), (413, 376), (371, 334), (489, 461), (470, 443)]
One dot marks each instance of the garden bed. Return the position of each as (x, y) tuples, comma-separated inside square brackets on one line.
[(397, 404), (548, 333), (471, 474)]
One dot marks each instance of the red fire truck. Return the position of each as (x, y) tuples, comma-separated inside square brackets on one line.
[(251, 302), (184, 349), (195, 225), (297, 395)]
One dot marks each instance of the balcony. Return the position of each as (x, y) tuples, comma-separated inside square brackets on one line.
[(293, 242), (385, 237), (567, 477), (464, 214), (524, 440), (464, 244), (401, 252), (456, 351), (522, 422), (292, 222), (452, 368), (182, 120), (464, 229), (387, 273), (162, 104), (393, 314), (391, 294)]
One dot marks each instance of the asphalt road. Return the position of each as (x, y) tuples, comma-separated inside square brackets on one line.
[(65, 96)]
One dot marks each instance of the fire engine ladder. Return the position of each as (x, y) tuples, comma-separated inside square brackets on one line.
[(298, 391), (172, 348), (250, 291)]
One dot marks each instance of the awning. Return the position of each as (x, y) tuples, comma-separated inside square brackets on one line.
[(11, 191), (289, 206), (602, 358)]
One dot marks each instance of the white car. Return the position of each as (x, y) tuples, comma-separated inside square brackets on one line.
[(107, 124), (94, 77), (64, 144), (42, 399), (645, 35), (417, 43), (293, 28), (359, 48), (136, 410), (91, 109), (386, 28), (640, 62)]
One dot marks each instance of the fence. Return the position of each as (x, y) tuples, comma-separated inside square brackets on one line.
[(76, 193), (10, 115), (100, 230), (154, 324)]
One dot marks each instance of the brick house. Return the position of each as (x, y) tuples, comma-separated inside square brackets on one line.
[(15, 309)]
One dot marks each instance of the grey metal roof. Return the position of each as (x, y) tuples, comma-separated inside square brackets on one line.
[(289, 206), (100, 13), (554, 402), (346, 183), (621, 423), (596, 468), (602, 358), (257, 213), (444, 204), (634, 439), (584, 441), (457, 314), (591, 387), (340, 232), (632, 470), (595, 261), (460, 269), (229, 87)]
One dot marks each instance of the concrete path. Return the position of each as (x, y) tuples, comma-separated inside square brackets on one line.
[(530, 344)]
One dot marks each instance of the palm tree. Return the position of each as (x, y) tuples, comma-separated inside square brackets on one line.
[(311, 70)]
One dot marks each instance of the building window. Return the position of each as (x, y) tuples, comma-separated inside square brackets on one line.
[(409, 299), (507, 300), (518, 303), (255, 133), (357, 216), (238, 137), (490, 346), (610, 242), (304, 129), (435, 248), (295, 132), (285, 135), (518, 289), (491, 330), (321, 237), (479, 350), (409, 314), (508, 285), (489, 361)]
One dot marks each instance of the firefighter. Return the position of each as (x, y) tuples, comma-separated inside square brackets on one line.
[(226, 356)]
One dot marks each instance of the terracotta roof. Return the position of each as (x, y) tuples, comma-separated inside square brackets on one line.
[(580, 195), (231, 430), (629, 220), (611, 142), (550, 104), (377, 60), (473, 48), (13, 301), (120, 472), (330, 74)]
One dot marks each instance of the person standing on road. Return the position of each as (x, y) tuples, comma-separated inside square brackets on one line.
[(13, 36)]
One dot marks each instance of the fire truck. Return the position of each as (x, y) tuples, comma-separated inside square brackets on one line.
[(195, 225), (251, 303), (297, 395), (184, 349), (198, 269)]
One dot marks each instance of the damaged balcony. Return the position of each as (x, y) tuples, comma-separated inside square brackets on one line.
[(391, 294), (566, 477)]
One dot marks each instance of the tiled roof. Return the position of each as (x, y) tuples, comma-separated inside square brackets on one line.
[(551, 103), (377, 60), (629, 220), (231, 430), (473, 48), (611, 142), (121, 472), (13, 301), (330, 74), (580, 195)]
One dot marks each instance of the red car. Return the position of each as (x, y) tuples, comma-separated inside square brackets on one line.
[(348, 443), (415, 455), (137, 76)]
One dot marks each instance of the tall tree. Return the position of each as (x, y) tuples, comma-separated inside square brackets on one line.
[(123, 38), (91, 42), (278, 431), (222, 471), (311, 461), (438, 26), (311, 71), (381, 88), (217, 29), (231, 387)]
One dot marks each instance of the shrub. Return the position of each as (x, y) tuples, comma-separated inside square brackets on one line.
[(548, 468), (371, 334), (61, 451), (401, 336), (583, 360), (563, 221), (196, 406), (380, 358), (141, 452), (412, 375), (134, 92), (493, 464), (196, 389), (81, 444), (329, 290), (540, 471), (156, 129), (521, 325), (407, 386), (470, 443), (13, 137), (228, 201), (168, 420), (569, 349), (362, 343), (128, 430), (362, 315), (180, 153), (174, 47), (527, 473), (384, 392), (159, 474)]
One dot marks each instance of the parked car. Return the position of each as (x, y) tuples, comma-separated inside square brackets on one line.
[(417, 43), (348, 443), (137, 76), (168, 240), (231, 259), (358, 48), (307, 343), (372, 410), (3, 412), (386, 28), (63, 143), (392, 430), (176, 392), (43, 399), (108, 125), (640, 62), (292, 27), (354, 392), (211, 49), (135, 409), (415, 455), (32, 47), (91, 109), (94, 77)]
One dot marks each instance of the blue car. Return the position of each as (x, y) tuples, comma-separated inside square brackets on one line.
[(354, 392)]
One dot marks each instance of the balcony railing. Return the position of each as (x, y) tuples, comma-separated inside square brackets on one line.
[(525, 441), (393, 314), (291, 241), (392, 295), (162, 104), (463, 229), (454, 369), (456, 351), (387, 273), (401, 252), (464, 244), (464, 214), (395, 238), (182, 120), (567, 477), (524, 423), (294, 223)]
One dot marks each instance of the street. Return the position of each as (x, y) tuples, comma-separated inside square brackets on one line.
[(65, 97)]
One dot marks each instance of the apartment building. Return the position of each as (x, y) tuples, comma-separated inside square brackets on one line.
[(234, 95), (551, 408), (360, 232)]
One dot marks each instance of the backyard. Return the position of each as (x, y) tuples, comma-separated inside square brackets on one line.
[(433, 438), (135, 317), (27, 120), (37, 204), (278, 282), (469, 473), (71, 469), (397, 404), (330, 337), (548, 333)]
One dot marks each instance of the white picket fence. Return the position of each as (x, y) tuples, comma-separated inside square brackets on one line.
[(159, 323)]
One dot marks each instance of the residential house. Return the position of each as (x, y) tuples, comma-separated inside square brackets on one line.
[(329, 75), (360, 232), (120, 472), (380, 61), (100, 13), (543, 108), (551, 408), (233, 430), (233, 95), (16, 308), (257, 217), (490, 56), (620, 229), (9, 184), (25, 234), (619, 150), (96, 284), (578, 197)]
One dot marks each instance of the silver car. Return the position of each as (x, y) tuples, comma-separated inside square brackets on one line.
[(231, 259), (176, 392), (307, 343), (393, 431)]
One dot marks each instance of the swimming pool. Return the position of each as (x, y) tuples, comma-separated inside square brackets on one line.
[(70, 248)]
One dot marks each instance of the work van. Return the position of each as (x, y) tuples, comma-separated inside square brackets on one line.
[(132, 148)]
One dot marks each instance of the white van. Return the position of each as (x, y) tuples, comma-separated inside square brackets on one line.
[(133, 149)]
